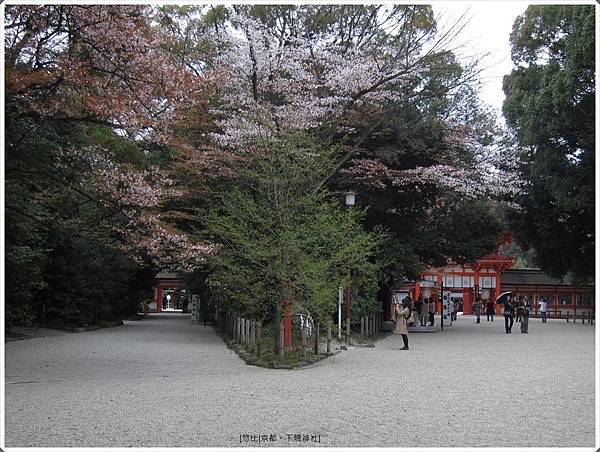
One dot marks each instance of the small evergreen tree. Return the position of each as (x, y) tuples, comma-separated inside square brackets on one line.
[(281, 238)]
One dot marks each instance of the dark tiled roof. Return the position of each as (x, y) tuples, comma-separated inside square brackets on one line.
[(167, 275), (530, 277)]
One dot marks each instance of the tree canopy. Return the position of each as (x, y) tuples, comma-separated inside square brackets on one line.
[(550, 104), (90, 93), (212, 140)]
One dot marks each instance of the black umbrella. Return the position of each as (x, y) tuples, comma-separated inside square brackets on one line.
[(503, 296)]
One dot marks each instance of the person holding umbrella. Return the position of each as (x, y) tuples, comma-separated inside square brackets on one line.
[(500, 299), (509, 312)]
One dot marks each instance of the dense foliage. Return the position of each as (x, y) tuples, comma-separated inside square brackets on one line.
[(63, 263), (82, 232), (216, 140), (411, 136), (550, 103), (281, 239)]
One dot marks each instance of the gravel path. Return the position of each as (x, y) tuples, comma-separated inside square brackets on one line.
[(164, 382)]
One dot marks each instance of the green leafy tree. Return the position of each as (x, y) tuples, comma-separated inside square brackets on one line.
[(281, 239), (408, 114), (550, 104), (63, 263)]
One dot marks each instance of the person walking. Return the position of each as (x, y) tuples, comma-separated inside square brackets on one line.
[(431, 311), (477, 309), (509, 312), (543, 309), (489, 310), (417, 311), (518, 308), (402, 314), (525, 310)]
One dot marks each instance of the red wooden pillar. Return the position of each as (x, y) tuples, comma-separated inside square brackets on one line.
[(497, 292), (287, 325), (467, 301), (159, 297), (440, 306), (477, 288)]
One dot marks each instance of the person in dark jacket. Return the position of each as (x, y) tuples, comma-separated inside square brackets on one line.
[(489, 310), (477, 309), (418, 310), (509, 313), (518, 307)]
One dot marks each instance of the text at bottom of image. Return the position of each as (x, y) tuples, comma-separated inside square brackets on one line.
[(274, 438)]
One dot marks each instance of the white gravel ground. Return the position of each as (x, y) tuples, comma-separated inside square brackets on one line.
[(164, 382)]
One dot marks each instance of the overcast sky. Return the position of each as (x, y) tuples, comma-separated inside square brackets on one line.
[(487, 32)]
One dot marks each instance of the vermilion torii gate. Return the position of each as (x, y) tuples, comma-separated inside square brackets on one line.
[(164, 281)]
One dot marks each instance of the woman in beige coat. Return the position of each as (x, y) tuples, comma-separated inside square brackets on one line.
[(402, 316)]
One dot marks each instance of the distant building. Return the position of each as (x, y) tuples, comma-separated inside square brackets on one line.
[(562, 295), (169, 294), (463, 282), (487, 278)]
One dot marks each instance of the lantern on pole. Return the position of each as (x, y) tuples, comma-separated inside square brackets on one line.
[(350, 198), (350, 201)]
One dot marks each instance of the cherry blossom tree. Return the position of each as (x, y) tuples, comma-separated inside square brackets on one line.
[(93, 63), (106, 66), (136, 195), (340, 82), (383, 83)]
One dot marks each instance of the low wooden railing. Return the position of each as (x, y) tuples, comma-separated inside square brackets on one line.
[(588, 316), (244, 331), (370, 325)]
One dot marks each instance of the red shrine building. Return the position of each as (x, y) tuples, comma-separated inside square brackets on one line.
[(465, 282), (562, 295), (488, 277), (169, 294)]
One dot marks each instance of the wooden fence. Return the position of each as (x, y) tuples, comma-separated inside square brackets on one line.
[(249, 333), (589, 316), (370, 325), (243, 331)]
